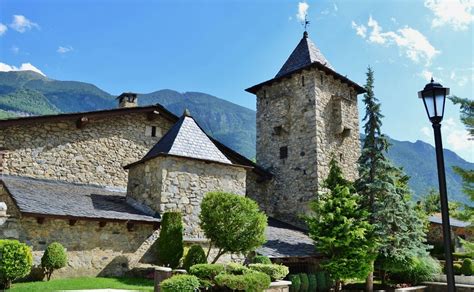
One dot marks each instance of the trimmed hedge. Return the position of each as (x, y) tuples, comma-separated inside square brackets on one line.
[(182, 283), (15, 261), (207, 271), (195, 255), (260, 259), (313, 283), (322, 280), (250, 282), (170, 243), (276, 272), (304, 282), (467, 267), (54, 258), (457, 267), (295, 282), (236, 269)]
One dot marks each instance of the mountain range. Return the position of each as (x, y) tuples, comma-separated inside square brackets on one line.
[(29, 93)]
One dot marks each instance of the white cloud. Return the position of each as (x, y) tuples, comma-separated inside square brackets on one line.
[(64, 50), (24, 67), (427, 132), (427, 75), (361, 30), (302, 11), (21, 23), (456, 13), (462, 76), (410, 41), (335, 7), (3, 29)]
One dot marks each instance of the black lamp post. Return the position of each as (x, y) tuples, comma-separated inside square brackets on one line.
[(434, 97)]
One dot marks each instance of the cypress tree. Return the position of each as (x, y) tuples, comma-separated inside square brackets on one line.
[(170, 243), (398, 229)]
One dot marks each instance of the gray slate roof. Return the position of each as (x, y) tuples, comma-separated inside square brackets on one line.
[(187, 139), (284, 240), (303, 55), (452, 221), (55, 198)]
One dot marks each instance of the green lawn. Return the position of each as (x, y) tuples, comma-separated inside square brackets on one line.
[(85, 283)]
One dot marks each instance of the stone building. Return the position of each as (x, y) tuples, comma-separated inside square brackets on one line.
[(98, 181)]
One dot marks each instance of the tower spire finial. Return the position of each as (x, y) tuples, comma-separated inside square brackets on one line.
[(305, 24)]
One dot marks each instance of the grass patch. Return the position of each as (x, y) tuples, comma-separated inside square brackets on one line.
[(85, 283)]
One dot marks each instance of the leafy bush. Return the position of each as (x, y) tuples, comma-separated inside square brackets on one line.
[(462, 255), (222, 212), (170, 242), (182, 283), (236, 269), (304, 282), (295, 282), (194, 256), (206, 271), (260, 259), (54, 258), (313, 284), (457, 267), (250, 282), (422, 269), (276, 272), (467, 267), (15, 261)]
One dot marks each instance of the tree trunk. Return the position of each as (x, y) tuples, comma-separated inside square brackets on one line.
[(8, 284), (338, 286), (369, 282)]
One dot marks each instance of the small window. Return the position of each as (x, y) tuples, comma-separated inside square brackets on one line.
[(153, 131), (283, 152), (302, 80)]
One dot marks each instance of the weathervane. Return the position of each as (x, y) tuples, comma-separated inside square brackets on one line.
[(306, 22)]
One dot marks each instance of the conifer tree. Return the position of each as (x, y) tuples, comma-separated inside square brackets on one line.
[(339, 229), (397, 227)]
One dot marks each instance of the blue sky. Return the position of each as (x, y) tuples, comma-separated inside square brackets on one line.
[(221, 48)]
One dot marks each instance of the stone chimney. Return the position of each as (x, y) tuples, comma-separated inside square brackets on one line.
[(128, 99)]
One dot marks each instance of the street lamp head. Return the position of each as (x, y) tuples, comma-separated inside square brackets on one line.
[(434, 97)]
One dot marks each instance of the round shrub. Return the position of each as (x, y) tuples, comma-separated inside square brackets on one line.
[(260, 259), (304, 282), (170, 243), (15, 261), (313, 283), (457, 267), (250, 282), (207, 271), (276, 272), (54, 258), (295, 282), (182, 283), (195, 255), (467, 267), (420, 270)]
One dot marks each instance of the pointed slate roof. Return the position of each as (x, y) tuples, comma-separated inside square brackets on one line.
[(303, 55), (186, 139)]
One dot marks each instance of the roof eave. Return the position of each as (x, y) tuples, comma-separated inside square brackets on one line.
[(359, 89), (84, 218)]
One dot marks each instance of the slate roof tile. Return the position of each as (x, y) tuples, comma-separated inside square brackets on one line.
[(56, 198)]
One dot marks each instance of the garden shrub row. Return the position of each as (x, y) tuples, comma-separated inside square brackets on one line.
[(250, 281), (276, 272), (309, 282), (184, 283)]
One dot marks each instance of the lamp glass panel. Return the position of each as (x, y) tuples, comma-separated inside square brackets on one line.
[(440, 100), (430, 107)]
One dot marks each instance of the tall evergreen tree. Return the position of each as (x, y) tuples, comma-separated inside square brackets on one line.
[(340, 228), (397, 227), (467, 175)]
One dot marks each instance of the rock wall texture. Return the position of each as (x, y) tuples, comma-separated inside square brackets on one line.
[(92, 250), (173, 183), (94, 154), (301, 124)]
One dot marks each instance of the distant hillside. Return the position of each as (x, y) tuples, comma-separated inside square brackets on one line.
[(27, 92)]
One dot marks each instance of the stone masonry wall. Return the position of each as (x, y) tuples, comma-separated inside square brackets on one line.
[(94, 154), (315, 119), (173, 183), (92, 250)]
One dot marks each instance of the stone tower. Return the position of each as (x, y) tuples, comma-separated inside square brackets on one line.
[(306, 115)]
